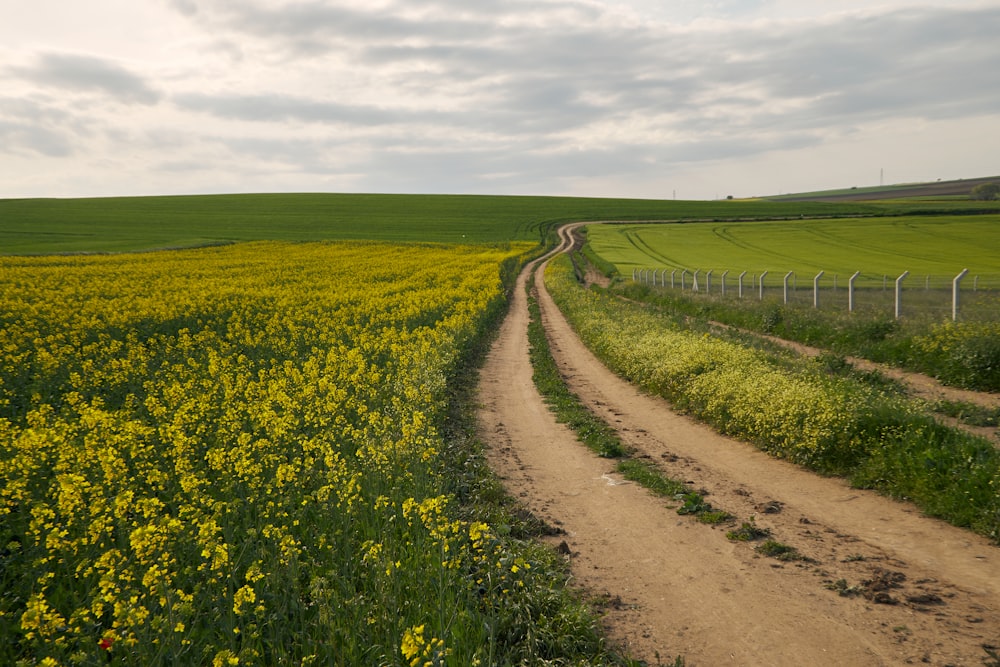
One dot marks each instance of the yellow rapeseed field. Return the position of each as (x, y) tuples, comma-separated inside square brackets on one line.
[(229, 456)]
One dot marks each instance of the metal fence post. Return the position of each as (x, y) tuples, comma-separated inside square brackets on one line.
[(954, 294), (787, 276), (761, 285), (816, 289), (741, 283), (850, 291), (899, 293)]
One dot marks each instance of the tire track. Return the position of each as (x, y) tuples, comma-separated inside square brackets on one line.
[(680, 587)]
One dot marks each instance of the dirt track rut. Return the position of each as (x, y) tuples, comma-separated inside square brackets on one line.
[(884, 585)]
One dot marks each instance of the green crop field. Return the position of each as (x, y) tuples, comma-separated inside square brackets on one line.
[(38, 226), (939, 245)]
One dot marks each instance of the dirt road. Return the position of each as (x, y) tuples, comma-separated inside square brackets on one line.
[(883, 584)]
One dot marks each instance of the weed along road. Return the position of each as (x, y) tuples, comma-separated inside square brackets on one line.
[(878, 584)]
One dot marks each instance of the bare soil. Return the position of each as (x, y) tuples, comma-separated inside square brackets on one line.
[(882, 584)]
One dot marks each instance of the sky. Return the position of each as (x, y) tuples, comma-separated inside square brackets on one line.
[(607, 98)]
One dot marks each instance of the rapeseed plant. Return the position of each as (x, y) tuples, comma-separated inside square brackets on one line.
[(230, 456)]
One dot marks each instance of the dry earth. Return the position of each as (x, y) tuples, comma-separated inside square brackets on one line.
[(883, 585)]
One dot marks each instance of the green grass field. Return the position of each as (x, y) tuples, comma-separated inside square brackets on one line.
[(939, 245), (37, 226)]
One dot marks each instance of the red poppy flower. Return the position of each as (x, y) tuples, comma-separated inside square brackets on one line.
[(106, 643)]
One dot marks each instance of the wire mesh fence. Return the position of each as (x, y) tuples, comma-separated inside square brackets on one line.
[(964, 296)]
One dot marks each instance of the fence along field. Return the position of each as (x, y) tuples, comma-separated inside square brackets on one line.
[(941, 266), (937, 296)]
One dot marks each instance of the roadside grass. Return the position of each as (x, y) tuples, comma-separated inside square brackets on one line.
[(964, 354), (968, 413), (833, 424), (837, 365), (589, 428), (780, 551), (647, 475), (748, 531), (116, 224), (694, 504), (713, 516)]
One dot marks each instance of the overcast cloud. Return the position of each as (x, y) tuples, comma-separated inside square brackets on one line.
[(590, 97)]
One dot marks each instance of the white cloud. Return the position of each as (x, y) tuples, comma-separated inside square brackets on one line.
[(73, 73), (555, 97)]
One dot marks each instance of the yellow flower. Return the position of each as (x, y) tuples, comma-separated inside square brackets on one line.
[(244, 596), (225, 658), (213, 404), (413, 642)]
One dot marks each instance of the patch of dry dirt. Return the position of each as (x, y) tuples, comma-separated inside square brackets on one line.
[(883, 585)]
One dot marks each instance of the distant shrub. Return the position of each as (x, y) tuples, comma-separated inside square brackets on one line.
[(985, 191)]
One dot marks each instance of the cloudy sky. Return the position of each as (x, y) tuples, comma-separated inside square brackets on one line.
[(636, 98)]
